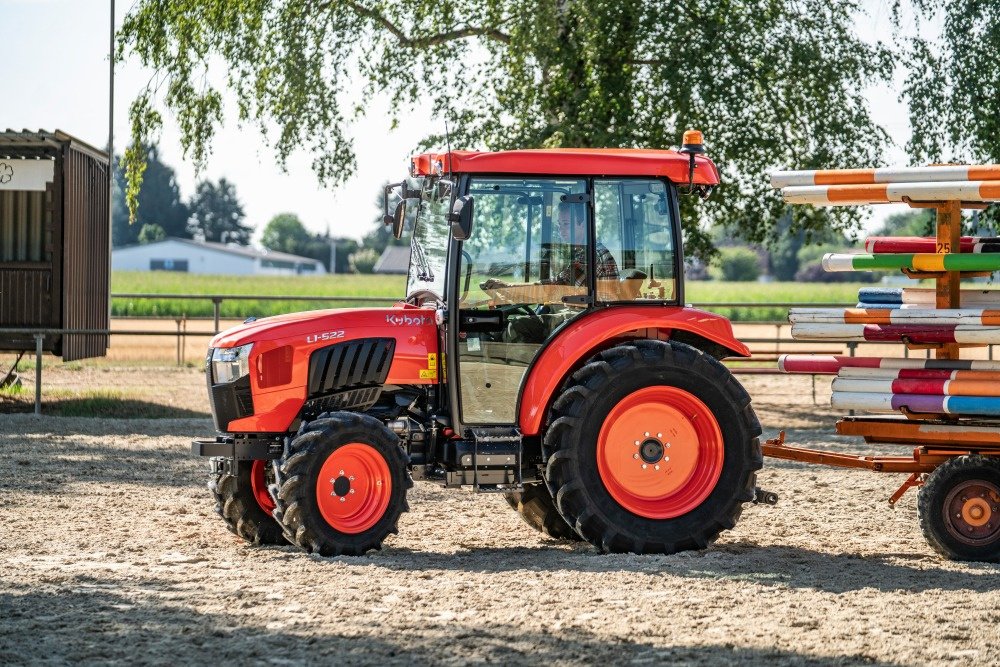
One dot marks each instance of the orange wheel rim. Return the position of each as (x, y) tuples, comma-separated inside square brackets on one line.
[(660, 452), (972, 512), (258, 483), (353, 488)]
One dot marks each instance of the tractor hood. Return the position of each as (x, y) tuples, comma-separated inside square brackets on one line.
[(321, 325)]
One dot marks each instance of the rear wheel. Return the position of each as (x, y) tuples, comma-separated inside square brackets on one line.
[(341, 485), (538, 509), (959, 507), (243, 501), (652, 448)]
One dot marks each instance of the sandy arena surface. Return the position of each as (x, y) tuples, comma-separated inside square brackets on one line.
[(110, 553)]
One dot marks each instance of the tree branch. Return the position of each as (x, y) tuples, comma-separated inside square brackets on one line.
[(430, 40)]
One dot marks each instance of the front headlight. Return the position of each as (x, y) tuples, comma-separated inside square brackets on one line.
[(230, 363)]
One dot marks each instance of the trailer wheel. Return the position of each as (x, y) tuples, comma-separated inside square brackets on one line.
[(341, 485), (243, 501), (652, 448), (959, 507), (538, 509)]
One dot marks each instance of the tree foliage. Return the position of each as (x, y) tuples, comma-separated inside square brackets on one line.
[(217, 214), (953, 89), (286, 233), (772, 84), (159, 203)]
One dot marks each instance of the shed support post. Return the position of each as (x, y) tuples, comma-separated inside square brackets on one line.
[(38, 373), (178, 320)]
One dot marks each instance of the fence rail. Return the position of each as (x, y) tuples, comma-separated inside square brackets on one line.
[(218, 299)]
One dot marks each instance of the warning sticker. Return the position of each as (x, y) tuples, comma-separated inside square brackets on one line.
[(428, 374)]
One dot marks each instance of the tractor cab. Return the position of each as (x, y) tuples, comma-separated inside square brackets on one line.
[(513, 247)]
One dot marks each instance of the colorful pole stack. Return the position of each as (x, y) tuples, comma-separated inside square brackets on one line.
[(945, 317)]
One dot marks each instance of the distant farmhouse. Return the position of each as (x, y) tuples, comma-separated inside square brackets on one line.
[(394, 259), (189, 256)]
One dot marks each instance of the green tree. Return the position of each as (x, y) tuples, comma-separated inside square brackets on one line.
[(772, 84), (738, 264), (953, 89), (910, 223), (159, 203), (151, 233), (217, 214), (285, 233)]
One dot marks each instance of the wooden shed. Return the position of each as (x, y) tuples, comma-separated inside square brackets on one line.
[(54, 242)]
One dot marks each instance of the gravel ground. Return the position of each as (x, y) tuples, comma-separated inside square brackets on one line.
[(110, 553)]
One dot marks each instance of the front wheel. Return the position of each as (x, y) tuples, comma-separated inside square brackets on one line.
[(341, 485), (242, 500), (652, 448), (959, 508), (538, 509)]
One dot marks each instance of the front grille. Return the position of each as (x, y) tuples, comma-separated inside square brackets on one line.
[(348, 365)]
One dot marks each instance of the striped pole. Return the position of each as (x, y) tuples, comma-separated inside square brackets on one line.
[(986, 172), (985, 406), (895, 333), (918, 374), (917, 386), (830, 364), (966, 316), (922, 296), (845, 195), (879, 245), (913, 261)]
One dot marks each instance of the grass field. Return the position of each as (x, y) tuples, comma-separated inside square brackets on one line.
[(378, 286)]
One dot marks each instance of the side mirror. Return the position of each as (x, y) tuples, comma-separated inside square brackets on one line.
[(461, 218), (398, 219)]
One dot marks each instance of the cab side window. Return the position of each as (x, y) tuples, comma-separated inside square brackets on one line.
[(634, 220)]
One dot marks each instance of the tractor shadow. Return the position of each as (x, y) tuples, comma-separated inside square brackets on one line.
[(781, 566), (93, 621)]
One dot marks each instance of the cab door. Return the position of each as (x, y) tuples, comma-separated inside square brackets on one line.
[(517, 285)]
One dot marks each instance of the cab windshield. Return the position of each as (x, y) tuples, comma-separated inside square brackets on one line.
[(429, 243)]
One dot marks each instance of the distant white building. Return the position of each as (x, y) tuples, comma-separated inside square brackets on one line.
[(189, 256)]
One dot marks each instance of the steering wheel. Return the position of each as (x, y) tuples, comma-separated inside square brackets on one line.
[(522, 308), (416, 297)]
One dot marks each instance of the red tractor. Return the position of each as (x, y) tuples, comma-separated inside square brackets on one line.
[(543, 351)]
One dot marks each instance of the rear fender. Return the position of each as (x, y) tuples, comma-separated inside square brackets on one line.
[(590, 333)]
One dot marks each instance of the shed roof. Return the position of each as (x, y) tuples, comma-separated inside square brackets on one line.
[(11, 139)]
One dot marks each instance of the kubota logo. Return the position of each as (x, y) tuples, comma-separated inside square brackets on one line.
[(408, 321)]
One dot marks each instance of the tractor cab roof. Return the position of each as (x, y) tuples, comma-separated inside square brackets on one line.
[(571, 161)]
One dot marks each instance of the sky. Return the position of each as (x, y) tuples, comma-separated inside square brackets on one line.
[(55, 75)]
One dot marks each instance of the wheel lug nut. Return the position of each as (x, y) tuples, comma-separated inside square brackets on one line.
[(636, 443), (644, 466), (341, 473), (656, 467), (635, 456), (343, 499), (659, 435), (647, 434), (351, 478), (666, 458), (352, 490)]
